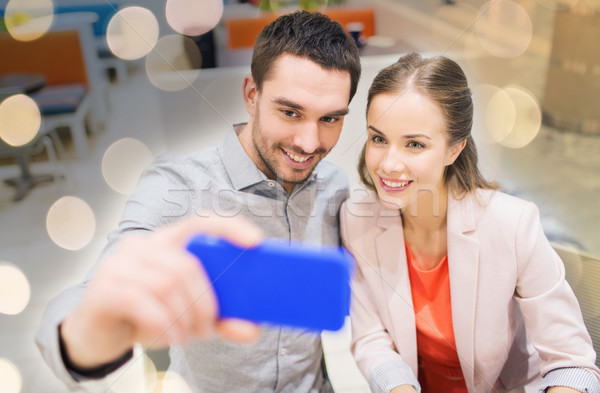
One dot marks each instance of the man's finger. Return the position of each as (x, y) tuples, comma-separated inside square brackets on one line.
[(237, 330), (238, 230)]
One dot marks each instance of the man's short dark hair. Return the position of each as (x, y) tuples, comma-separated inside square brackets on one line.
[(310, 35)]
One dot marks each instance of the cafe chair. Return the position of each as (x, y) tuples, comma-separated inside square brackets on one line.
[(25, 181)]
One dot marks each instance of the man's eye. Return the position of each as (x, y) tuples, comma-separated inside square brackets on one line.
[(289, 113), (329, 119)]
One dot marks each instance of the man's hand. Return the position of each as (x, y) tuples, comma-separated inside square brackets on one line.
[(150, 290)]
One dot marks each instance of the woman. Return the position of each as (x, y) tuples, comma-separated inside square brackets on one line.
[(456, 287)]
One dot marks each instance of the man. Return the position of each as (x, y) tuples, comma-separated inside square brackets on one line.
[(264, 179)]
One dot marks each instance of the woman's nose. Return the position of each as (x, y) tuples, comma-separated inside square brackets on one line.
[(393, 161)]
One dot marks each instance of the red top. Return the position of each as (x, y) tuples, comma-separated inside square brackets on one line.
[(439, 367)]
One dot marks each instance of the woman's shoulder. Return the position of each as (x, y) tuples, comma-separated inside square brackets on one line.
[(501, 207), (499, 199)]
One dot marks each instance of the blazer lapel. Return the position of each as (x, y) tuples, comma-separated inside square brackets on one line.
[(396, 285), (463, 265)]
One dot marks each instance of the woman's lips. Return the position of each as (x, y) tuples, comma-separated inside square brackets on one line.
[(394, 185)]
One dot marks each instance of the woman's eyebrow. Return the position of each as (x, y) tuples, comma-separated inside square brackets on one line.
[(411, 136), (376, 130)]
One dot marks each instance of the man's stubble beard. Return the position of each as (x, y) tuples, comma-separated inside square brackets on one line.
[(268, 157)]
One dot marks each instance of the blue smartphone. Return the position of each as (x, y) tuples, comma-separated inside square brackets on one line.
[(279, 283)]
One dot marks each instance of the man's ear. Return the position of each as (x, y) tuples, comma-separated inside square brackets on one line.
[(455, 151), (250, 94)]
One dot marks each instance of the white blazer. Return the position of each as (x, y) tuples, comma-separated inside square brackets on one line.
[(514, 316)]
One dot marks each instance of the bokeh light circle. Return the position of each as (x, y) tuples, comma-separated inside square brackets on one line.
[(193, 17), (28, 20), (503, 28), (123, 163), (10, 377), (494, 113), (528, 119), (71, 223), (20, 120), (15, 291), (132, 33), (174, 64)]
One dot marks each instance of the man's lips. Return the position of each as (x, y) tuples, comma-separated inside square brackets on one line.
[(297, 161)]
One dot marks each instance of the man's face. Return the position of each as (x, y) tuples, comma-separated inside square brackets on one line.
[(296, 119)]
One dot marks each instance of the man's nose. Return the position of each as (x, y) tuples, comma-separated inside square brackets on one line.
[(307, 138)]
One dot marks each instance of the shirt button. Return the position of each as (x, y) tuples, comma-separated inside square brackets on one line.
[(271, 184), (283, 351)]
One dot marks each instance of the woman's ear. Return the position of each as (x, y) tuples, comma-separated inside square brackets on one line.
[(250, 94), (455, 151)]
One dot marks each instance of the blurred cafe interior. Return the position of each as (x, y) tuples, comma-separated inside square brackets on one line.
[(92, 90)]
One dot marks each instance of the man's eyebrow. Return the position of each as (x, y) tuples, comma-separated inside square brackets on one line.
[(290, 104), (339, 112), (285, 102)]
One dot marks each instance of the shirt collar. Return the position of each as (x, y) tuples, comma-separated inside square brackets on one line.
[(242, 171)]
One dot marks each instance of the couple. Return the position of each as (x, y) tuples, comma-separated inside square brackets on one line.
[(456, 288)]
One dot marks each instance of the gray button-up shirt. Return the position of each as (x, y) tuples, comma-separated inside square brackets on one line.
[(223, 180)]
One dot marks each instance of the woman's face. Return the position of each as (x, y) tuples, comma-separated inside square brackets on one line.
[(407, 148)]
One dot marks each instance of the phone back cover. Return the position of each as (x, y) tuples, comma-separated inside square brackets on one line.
[(279, 283)]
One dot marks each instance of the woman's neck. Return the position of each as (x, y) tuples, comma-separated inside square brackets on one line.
[(425, 228), (427, 214)]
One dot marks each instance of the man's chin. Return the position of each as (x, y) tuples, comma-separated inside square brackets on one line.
[(297, 177)]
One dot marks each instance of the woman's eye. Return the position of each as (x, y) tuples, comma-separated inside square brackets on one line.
[(377, 139), (415, 145)]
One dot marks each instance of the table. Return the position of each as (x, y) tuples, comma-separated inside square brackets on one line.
[(26, 83)]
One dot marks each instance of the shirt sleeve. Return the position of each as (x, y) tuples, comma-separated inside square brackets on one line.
[(145, 210), (95, 373), (571, 377), (391, 374)]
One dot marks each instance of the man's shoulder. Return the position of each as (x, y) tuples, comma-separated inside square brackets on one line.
[(204, 159)]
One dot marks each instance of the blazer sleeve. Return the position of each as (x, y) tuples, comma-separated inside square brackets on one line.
[(373, 348), (550, 309)]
